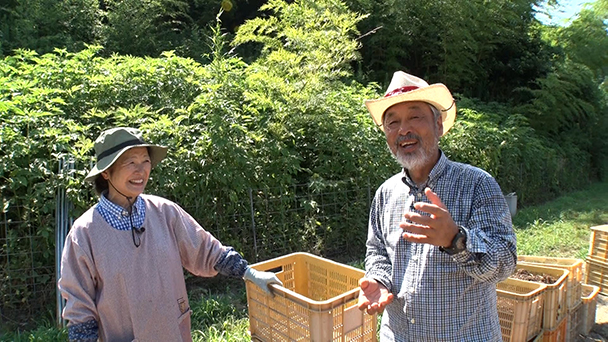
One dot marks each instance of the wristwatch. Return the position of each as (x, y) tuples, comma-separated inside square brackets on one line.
[(459, 243)]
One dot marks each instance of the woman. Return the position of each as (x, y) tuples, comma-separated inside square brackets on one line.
[(121, 268)]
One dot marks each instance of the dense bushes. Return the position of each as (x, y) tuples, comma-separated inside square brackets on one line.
[(502, 142)]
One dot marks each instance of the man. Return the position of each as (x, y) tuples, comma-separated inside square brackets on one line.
[(440, 234)]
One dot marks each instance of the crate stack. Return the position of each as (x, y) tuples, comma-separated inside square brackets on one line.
[(520, 309), (555, 306), (567, 305), (589, 304), (597, 259), (574, 303)]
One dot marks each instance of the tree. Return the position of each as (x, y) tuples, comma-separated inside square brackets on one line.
[(478, 48), (44, 25)]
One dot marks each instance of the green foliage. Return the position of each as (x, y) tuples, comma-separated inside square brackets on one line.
[(221, 316), (500, 141), (43, 333), (209, 309), (41, 329), (586, 42)]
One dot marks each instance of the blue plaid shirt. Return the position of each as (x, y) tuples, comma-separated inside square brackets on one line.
[(118, 217), (438, 297)]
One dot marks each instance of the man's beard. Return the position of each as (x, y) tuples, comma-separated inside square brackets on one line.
[(419, 158)]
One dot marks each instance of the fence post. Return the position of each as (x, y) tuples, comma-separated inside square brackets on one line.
[(63, 223), (255, 243)]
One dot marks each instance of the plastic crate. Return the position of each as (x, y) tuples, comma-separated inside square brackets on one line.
[(555, 305), (575, 277), (520, 309), (589, 303), (559, 334), (317, 302), (598, 242), (575, 322), (597, 274)]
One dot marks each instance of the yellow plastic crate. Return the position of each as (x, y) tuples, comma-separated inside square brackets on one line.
[(559, 334), (597, 274), (317, 302), (598, 242), (589, 303), (520, 309), (575, 277), (555, 305), (575, 322)]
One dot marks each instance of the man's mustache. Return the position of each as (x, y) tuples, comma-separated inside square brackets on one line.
[(408, 136)]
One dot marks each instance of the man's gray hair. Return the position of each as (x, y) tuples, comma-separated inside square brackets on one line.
[(436, 112)]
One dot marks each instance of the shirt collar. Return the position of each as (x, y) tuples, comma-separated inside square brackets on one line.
[(434, 175), (116, 210)]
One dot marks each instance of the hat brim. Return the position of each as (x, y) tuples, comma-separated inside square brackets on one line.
[(157, 154), (437, 95)]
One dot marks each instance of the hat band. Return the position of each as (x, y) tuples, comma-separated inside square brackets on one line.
[(400, 91), (119, 147)]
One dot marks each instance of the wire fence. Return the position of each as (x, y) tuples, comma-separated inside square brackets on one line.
[(328, 220), (21, 275)]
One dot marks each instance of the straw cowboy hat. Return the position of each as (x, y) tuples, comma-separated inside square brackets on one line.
[(404, 88), (112, 143)]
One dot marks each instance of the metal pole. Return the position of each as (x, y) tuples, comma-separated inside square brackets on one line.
[(255, 243), (58, 247), (63, 223)]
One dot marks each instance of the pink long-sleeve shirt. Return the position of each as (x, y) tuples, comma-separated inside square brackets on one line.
[(135, 294)]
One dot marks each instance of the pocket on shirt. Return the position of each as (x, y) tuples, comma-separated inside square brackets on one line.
[(183, 321)]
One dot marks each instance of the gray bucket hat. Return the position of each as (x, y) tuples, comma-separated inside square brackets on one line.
[(112, 143)]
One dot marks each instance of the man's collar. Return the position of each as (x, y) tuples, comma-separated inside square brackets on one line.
[(435, 173)]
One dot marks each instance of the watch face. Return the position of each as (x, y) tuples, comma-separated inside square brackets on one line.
[(461, 242)]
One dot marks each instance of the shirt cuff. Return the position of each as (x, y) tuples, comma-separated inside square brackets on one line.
[(231, 264), (84, 332)]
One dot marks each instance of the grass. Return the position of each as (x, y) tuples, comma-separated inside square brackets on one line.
[(219, 311), (559, 228)]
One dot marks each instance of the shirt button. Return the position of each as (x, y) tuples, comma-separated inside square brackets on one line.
[(413, 321), (125, 213), (419, 195)]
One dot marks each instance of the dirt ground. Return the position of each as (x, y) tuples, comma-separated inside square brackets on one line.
[(599, 332)]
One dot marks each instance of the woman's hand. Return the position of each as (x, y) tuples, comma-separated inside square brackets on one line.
[(262, 279)]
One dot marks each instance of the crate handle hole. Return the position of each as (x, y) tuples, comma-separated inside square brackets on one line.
[(278, 269)]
